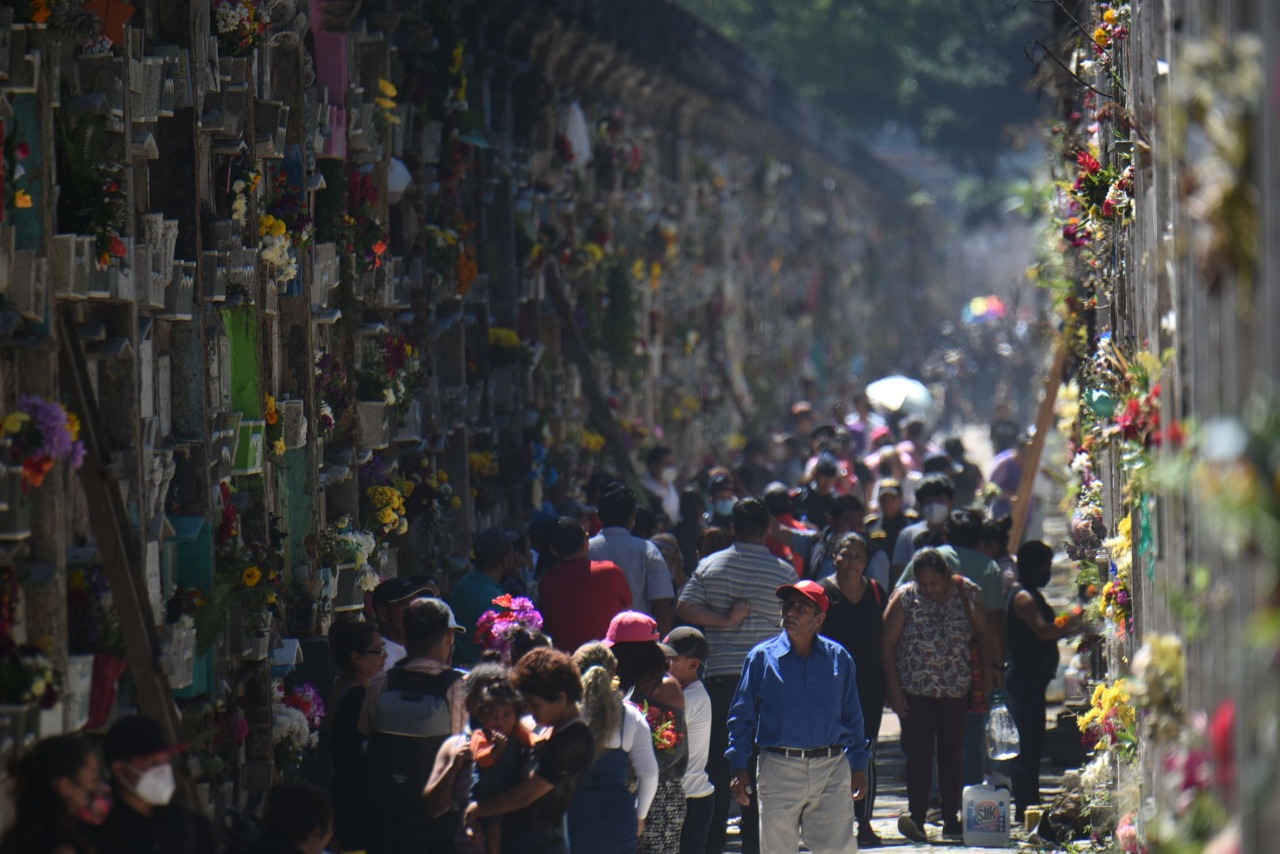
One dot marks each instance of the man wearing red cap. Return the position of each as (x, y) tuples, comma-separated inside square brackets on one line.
[(797, 706)]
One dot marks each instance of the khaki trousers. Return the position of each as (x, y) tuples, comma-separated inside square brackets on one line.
[(805, 799)]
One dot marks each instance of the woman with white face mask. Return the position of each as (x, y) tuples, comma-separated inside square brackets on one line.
[(144, 818)]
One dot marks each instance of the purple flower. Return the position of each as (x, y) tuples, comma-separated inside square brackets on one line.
[(77, 454)]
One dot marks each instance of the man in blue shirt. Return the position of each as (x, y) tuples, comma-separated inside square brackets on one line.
[(797, 705)]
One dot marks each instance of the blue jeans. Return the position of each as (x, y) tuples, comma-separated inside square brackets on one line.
[(697, 821)]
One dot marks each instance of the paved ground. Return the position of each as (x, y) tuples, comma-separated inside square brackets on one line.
[(891, 799)]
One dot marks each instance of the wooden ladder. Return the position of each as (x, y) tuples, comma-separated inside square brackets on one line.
[(120, 555)]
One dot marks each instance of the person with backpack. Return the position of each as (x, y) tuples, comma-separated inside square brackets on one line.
[(408, 713)]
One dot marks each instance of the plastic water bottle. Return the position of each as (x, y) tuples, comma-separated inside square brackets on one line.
[(1002, 732)]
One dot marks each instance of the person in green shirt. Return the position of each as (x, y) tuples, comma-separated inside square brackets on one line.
[(493, 557)]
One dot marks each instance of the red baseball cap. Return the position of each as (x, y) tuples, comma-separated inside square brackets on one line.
[(810, 590), (635, 627)]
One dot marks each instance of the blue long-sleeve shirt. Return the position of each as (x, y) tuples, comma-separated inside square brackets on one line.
[(784, 700)]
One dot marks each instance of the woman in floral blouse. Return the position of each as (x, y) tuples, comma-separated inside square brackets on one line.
[(929, 626)]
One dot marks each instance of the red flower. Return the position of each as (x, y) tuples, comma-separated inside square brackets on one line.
[(22, 150), (1108, 208), (503, 601), (1088, 162), (118, 248), (34, 470)]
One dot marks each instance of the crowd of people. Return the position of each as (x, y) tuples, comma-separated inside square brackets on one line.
[(613, 676)]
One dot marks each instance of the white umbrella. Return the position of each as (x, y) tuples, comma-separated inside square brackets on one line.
[(901, 394)]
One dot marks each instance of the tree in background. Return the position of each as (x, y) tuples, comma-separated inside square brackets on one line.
[(956, 72)]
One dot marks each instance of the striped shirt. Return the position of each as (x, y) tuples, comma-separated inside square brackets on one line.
[(742, 571)]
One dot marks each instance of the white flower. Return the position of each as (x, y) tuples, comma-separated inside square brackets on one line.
[(390, 396)]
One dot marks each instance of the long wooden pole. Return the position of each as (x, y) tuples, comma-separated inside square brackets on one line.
[(1034, 453)]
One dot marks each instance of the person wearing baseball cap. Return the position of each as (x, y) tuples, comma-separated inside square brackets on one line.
[(408, 712), (642, 673), (690, 650), (797, 712), (144, 817), (391, 600)]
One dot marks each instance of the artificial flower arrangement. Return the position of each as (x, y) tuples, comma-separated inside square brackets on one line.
[(275, 430), (243, 181), (41, 433), (505, 346), (333, 387), (27, 676), (275, 248), (385, 117), (217, 740), (484, 464), (496, 629), (93, 193), (289, 204), (662, 726), (1111, 722), (14, 178), (295, 727), (92, 621), (341, 543), (364, 235), (389, 510), (392, 368), (241, 25), (431, 498)]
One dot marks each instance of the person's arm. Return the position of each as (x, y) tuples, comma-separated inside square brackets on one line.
[(697, 721), (670, 693), (437, 796), (664, 615), (742, 728), (1024, 607), (512, 800), (659, 589), (984, 639), (692, 607), (893, 622), (857, 751), (637, 740)]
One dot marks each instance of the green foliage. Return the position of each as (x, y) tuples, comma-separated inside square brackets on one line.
[(956, 72)]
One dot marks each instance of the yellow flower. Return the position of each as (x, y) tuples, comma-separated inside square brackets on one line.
[(73, 426), (271, 599), (1101, 37), (14, 421), (1110, 16), (386, 87), (251, 576), (595, 250), (385, 103), (386, 515), (278, 448), (22, 199), (455, 59), (442, 476), (456, 502)]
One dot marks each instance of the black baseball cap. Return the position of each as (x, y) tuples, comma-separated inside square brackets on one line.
[(688, 641), (136, 737), (399, 589)]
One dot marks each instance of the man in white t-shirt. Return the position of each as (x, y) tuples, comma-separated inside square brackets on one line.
[(691, 649)]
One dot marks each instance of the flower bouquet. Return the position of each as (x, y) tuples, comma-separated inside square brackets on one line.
[(41, 433), (1111, 722), (292, 733), (334, 390), (495, 630), (392, 368), (389, 511), (241, 24), (505, 347), (662, 726), (27, 676)]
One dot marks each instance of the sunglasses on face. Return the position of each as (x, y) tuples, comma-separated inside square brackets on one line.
[(382, 650), (793, 605)]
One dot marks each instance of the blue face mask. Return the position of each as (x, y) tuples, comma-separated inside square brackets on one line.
[(724, 506)]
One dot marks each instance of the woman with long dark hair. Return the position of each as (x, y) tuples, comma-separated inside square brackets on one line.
[(57, 790), (643, 678), (359, 653)]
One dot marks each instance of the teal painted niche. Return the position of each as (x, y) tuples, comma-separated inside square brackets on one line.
[(190, 564)]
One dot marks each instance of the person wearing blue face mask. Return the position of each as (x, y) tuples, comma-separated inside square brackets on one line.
[(723, 497), (144, 819)]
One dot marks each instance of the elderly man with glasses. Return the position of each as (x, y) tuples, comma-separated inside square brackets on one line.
[(797, 705)]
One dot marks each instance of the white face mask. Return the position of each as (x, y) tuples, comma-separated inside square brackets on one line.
[(669, 474), (156, 785), (935, 512)]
